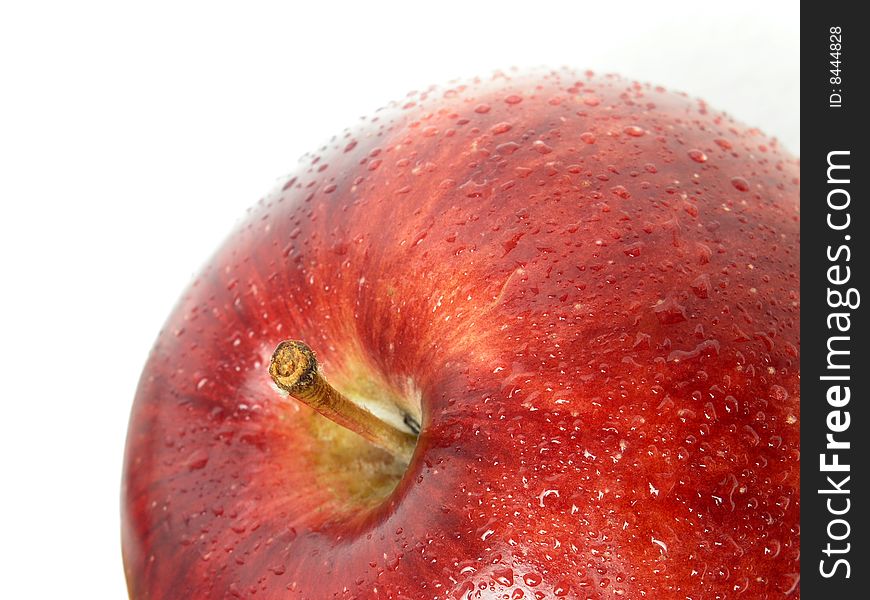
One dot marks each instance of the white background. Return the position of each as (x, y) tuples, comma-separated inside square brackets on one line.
[(132, 137)]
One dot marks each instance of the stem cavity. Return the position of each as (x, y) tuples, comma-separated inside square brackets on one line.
[(294, 369)]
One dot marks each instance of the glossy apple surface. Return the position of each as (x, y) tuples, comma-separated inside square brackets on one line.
[(585, 288)]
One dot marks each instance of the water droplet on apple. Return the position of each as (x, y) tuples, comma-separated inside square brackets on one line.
[(740, 184), (772, 548), (500, 128), (541, 147), (621, 192), (751, 436), (778, 393), (701, 286), (698, 156), (504, 576), (787, 583), (545, 494), (731, 405), (562, 588), (198, 459), (669, 311)]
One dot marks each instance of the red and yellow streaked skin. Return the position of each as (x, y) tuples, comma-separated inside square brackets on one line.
[(585, 287)]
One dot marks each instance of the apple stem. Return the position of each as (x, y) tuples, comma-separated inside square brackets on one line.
[(294, 369)]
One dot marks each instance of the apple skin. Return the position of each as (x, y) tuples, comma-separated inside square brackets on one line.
[(588, 286)]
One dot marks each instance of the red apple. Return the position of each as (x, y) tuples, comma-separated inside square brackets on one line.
[(585, 291)]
